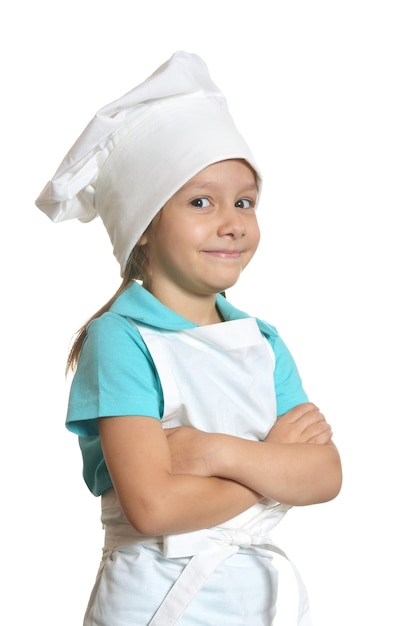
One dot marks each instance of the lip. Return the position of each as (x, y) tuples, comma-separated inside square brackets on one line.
[(224, 254)]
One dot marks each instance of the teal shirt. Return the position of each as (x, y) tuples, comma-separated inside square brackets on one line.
[(116, 375)]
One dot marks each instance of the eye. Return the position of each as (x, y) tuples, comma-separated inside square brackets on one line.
[(201, 203), (244, 203)]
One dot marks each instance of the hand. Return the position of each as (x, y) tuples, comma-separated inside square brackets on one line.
[(190, 450), (302, 424)]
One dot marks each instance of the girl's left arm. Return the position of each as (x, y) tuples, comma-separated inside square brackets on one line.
[(296, 464)]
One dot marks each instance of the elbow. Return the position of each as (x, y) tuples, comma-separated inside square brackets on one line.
[(148, 518), (332, 486), (324, 480), (331, 479), (150, 523), (337, 474)]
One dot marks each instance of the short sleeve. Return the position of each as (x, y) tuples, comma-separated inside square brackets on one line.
[(289, 390), (115, 376)]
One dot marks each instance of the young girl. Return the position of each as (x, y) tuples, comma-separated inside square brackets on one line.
[(191, 416)]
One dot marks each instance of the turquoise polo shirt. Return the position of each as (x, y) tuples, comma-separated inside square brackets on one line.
[(116, 375)]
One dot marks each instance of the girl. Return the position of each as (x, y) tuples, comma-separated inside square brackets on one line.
[(176, 393)]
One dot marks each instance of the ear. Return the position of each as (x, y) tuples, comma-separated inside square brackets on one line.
[(143, 240)]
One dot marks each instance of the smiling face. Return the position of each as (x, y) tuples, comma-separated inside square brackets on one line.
[(205, 235)]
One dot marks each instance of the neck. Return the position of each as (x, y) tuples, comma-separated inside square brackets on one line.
[(199, 309)]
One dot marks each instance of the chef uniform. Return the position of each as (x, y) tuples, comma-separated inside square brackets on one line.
[(130, 160), (233, 377)]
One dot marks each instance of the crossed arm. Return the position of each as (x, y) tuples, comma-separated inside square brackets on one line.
[(184, 479)]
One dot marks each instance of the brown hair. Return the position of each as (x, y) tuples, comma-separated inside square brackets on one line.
[(136, 268)]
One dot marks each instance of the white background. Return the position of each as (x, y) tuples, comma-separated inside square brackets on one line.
[(325, 93)]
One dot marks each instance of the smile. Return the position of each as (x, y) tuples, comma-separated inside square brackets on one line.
[(224, 254)]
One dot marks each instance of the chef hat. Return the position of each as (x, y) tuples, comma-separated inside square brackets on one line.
[(142, 148)]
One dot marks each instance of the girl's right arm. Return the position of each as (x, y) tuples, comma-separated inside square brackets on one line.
[(154, 499)]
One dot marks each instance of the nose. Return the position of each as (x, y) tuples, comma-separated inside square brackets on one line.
[(232, 223)]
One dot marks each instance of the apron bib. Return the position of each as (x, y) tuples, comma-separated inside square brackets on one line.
[(218, 378)]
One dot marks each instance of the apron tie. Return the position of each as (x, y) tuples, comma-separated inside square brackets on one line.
[(206, 548), (224, 543)]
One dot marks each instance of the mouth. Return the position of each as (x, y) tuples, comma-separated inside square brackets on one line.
[(224, 254)]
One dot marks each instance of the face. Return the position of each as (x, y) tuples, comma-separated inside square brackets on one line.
[(206, 234)]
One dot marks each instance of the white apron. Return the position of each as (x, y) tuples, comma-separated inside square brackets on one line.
[(218, 378)]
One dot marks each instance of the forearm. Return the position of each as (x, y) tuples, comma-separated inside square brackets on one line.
[(156, 498), (292, 473), (187, 503)]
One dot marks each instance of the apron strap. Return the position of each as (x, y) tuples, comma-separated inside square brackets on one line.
[(198, 570), (207, 548), (188, 584)]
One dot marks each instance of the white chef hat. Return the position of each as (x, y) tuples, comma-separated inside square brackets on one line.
[(140, 149)]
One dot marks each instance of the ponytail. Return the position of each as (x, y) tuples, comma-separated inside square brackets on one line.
[(135, 270)]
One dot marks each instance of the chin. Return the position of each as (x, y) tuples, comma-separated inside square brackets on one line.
[(225, 287), (218, 284)]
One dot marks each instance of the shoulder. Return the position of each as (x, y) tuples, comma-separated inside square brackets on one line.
[(111, 325), (115, 375), (270, 331), (111, 333)]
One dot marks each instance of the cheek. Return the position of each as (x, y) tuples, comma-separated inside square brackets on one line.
[(191, 236), (254, 236), (172, 244), (254, 233)]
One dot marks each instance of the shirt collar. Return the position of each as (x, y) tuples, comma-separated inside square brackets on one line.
[(141, 306)]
